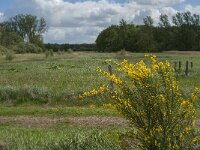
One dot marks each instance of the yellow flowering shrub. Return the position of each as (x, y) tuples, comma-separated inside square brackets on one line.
[(150, 98)]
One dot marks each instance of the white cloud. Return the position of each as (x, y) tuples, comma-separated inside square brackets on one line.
[(80, 22), (157, 2), (193, 9), (1, 16), (72, 34)]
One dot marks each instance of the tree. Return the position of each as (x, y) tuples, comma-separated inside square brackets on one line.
[(163, 33), (187, 29), (123, 34), (108, 39), (178, 19), (148, 21), (29, 27), (146, 35), (182, 34), (164, 21), (8, 38)]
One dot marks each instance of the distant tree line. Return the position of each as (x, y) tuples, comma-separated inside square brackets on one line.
[(75, 47), (182, 34), (23, 33)]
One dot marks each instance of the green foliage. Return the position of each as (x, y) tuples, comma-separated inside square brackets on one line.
[(148, 21), (108, 39), (95, 140), (22, 28), (3, 50), (57, 137), (9, 55), (72, 74), (17, 95), (55, 66), (26, 48), (48, 53), (60, 52), (8, 39), (150, 98), (29, 27), (70, 51), (123, 52), (51, 52), (183, 34)]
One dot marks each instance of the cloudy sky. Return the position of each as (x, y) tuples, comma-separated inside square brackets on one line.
[(80, 21)]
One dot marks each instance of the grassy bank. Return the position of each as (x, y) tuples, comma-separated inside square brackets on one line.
[(61, 78), (34, 88)]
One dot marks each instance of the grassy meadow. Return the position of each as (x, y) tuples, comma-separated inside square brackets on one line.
[(40, 105)]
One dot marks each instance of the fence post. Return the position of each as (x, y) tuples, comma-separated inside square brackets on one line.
[(175, 65), (111, 82), (191, 64), (179, 65), (186, 68)]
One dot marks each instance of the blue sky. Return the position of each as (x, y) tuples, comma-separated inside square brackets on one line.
[(72, 21), (4, 4)]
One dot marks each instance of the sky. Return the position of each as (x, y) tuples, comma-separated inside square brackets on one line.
[(80, 21)]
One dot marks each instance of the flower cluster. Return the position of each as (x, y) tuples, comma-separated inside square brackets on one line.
[(100, 90), (150, 98)]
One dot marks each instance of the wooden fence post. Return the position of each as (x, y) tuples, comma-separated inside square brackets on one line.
[(175, 65), (111, 82), (191, 64), (179, 65), (186, 68)]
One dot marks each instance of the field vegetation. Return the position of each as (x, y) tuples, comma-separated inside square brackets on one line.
[(40, 105)]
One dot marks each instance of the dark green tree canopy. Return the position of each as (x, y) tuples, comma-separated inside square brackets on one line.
[(8, 38), (182, 34), (164, 21), (29, 27)]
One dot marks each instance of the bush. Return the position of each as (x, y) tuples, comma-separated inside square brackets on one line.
[(48, 53), (60, 52), (123, 52), (150, 98), (9, 55), (3, 50), (70, 51), (18, 95), (26, 48)]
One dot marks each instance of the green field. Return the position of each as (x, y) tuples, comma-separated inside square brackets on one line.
[(40, 105)]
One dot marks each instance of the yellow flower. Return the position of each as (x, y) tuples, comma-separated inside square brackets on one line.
[(187, 129), (92, 106), (181, 137), (194, 140), (184, 102), (101, 90), (109, 106), (116, 80), (152, 57)]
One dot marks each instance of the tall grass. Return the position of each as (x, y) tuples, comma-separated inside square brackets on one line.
[(58, 139), (16, 95), (64, 77)]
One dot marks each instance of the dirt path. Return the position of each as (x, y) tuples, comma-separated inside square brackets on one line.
[(47, 121), (28, 121)]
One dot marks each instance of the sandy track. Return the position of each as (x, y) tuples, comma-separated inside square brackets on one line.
[(29, 121), (47, 121)]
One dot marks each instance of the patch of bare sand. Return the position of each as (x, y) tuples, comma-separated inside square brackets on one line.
[(47, 121), (29, 121)]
